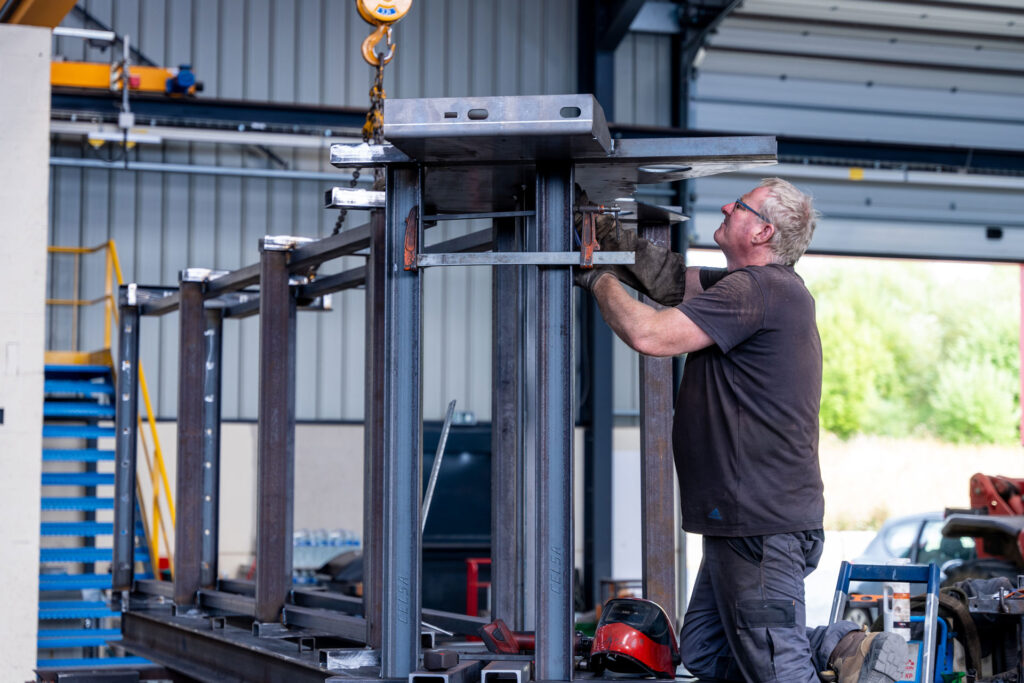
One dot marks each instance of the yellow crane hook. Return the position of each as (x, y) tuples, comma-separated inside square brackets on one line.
[(382, 14), (370, 54)]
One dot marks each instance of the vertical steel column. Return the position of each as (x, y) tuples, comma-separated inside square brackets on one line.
[(657, 516), (527, 521), (188, 527), (373, 452), (596, 415), (126, 443), (506, 412), (403, 432), (276, 432), (555, 555), (211, 447)]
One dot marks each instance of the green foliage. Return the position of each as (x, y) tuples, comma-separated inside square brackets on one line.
[(915, 349)]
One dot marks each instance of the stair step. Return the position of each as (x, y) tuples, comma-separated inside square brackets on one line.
[(81, 529), (78, 387), (75, 609), (85, 554), (97, 664), (73, 582), (77, 431), (78, 409), (76, 371), (77, 455), (78, 479), (52, 638), (77, 503)]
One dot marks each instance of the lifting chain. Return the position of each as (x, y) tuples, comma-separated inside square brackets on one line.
[(382, 14)]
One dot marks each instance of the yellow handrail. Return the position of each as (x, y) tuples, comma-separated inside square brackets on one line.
[(159, 472)]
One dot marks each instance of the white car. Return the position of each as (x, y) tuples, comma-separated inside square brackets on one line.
[(917, 537)]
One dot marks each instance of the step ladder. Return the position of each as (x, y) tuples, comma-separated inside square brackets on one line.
[(910, 573), (75, 612)]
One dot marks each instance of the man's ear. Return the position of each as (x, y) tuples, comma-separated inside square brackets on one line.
[(763, 235)]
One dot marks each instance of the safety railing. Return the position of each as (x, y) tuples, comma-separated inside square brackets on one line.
[(154, 522)]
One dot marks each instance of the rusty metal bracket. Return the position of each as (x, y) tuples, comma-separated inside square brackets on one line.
[(412, 238)]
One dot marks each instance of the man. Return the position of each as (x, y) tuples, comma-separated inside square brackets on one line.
[(745, 438)]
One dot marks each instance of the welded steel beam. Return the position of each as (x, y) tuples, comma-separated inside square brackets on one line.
[(213, 337), (507, 300), (188, 541), (234, 281), (276, 431), (348, 279), (657, 471), (373, 434), (553, 401), (331, 247), (403, 432), (126, 442), (205, 652)]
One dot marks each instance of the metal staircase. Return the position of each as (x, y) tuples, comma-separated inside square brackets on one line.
[(77, 623)]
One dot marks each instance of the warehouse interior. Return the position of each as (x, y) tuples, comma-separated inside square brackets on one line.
[(221, 464)]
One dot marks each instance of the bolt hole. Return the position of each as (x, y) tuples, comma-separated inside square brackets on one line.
[(477, 114), (570, 112)]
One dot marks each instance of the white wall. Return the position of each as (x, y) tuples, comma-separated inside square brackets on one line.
[(24, 179)]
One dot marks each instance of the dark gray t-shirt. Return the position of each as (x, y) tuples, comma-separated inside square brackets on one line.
[(745, 433)]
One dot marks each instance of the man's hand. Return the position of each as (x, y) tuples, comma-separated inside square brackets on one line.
[(612, 236), (588, 277)]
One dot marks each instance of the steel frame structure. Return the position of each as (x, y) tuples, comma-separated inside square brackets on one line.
[(522, 165)]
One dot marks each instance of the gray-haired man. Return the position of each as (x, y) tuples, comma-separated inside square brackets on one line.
[(745, 439)]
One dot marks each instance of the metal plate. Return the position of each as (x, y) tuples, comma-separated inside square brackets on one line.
[(606, 178), (525, 128)]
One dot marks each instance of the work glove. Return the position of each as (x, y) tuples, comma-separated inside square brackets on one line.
[(658, 273), (588, 277)]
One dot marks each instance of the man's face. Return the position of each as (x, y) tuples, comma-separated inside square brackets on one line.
[(734, 234)]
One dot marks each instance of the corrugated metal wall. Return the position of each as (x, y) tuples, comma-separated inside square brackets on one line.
[(302, 51), (306, 51)]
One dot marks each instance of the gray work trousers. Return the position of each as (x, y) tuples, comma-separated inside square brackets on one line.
[(746, 620)]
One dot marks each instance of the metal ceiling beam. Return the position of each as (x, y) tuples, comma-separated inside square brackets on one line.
[(614, 19), (791, 22), (966, 6), (859, 59)]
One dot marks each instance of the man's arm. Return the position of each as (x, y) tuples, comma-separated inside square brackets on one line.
[(666, 332)]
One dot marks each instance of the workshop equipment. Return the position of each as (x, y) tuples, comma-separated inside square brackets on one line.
[(921, 663), (635, 636)]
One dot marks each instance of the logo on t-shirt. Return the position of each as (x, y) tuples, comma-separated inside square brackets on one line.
[(716, 515)]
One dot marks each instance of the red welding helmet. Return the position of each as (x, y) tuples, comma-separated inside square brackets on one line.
[(634, 636)]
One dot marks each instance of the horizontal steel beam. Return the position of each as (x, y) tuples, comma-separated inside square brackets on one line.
[(193, 647), (536, 258), (234, 281), (327, 621), (354, 277), (460, 624), (481, 240), (269, 117), (344, 243), (229, 602)]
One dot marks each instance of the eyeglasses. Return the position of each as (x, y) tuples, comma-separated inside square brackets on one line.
[(740, 204)]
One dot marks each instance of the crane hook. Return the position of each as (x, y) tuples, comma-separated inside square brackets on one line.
[(370, 55)]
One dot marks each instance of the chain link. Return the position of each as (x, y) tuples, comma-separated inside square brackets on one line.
[(373, 131)]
